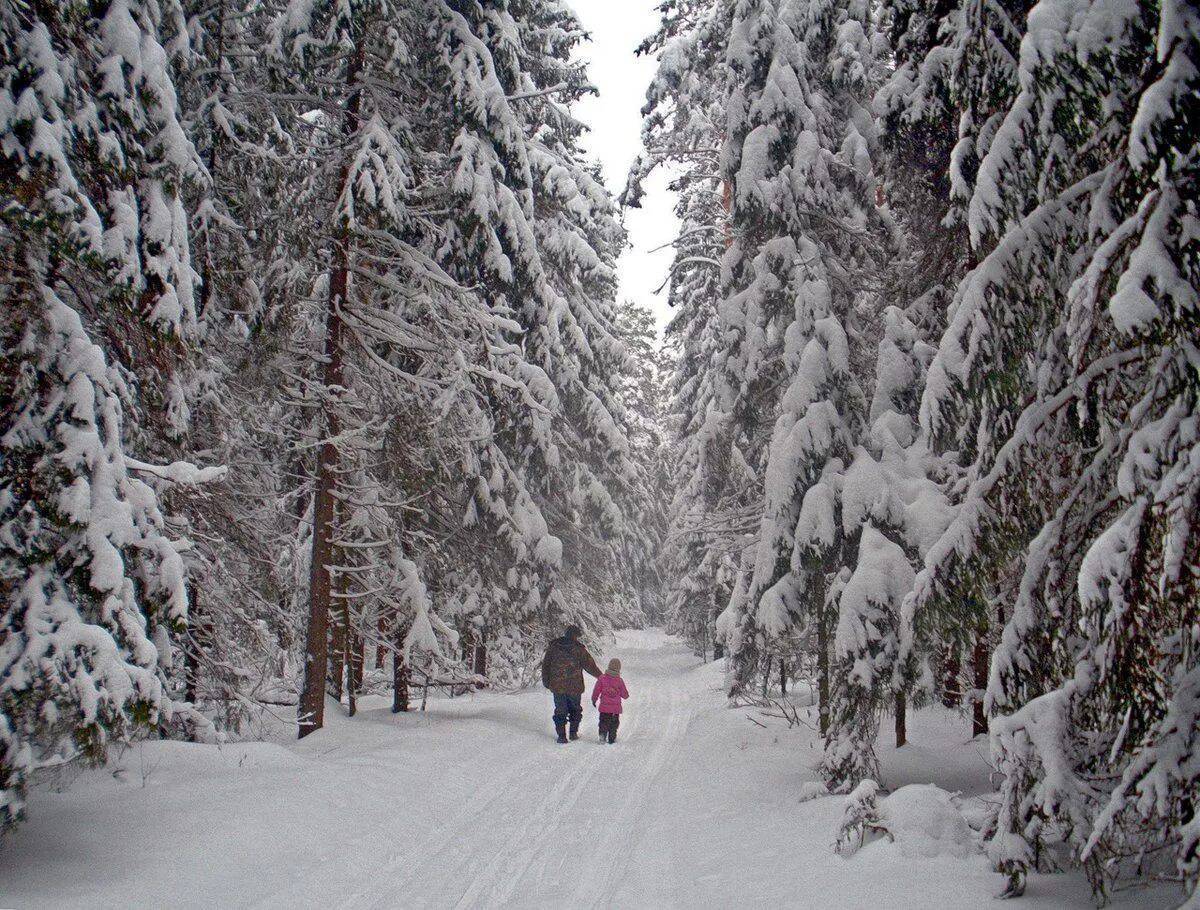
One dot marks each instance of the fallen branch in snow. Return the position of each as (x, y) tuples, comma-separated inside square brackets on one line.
[(861, 819), (778, 709)]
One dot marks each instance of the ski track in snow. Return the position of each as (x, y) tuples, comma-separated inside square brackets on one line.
[(400, 868), (604, 872), (526, 832), (515, 822)]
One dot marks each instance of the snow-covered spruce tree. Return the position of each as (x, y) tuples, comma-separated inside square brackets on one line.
[(893, 508), (798, 158), (1087, 458), (644, 397), (955, 67), (684, 120), (96, 305), (379, 285), (468, 277), (251, 255), (535, 230), (954, 76), (580, 238), (920, 117), (703, 543)]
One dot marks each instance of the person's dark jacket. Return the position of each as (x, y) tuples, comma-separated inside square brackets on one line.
[(563, 666)]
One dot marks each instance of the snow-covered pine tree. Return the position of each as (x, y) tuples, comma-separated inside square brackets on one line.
[(580, 237), (534, 228), (468, 256), (390, 312), (955, 73), (644, 398), (247, 532), (320, 51), (96, 304), (893, 508), (1083, 417), (805, 223), (703, 538), (684, 120), (919, 109)]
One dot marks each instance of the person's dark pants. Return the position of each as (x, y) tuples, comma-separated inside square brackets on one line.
[(608, 727), (567, 708)]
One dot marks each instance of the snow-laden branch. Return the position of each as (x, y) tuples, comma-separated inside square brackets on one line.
[(183, 473)]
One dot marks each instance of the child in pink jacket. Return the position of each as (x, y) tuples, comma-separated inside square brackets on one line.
[(609, 692)]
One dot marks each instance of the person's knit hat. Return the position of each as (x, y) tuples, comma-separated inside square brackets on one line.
[(572, 632), (614, 666)]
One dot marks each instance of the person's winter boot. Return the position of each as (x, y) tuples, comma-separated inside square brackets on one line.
[(562, 732), (575, 733)]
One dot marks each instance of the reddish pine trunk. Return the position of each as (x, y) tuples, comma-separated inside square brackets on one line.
[(191, 651), (400, 671), (312, 702), (312, 699), (901, 720)]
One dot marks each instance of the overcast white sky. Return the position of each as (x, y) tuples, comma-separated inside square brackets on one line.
[(616, 28)]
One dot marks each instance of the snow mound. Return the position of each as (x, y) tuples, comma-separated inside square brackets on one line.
[(925, 820)]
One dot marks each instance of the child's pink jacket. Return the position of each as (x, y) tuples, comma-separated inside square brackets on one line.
[(609, 690)]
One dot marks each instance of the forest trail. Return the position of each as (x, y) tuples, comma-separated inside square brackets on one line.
[(558, 829), (472, 804)]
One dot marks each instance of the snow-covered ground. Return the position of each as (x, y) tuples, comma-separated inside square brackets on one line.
[(472, 804)]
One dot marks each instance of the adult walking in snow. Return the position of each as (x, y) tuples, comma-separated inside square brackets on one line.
[(563, 667)]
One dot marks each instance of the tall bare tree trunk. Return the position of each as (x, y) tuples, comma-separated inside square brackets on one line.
[(312, 699), (783, 673), (901, 719)]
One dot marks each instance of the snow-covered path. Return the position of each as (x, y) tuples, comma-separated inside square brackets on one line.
[(551, 827), (472, 804)]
